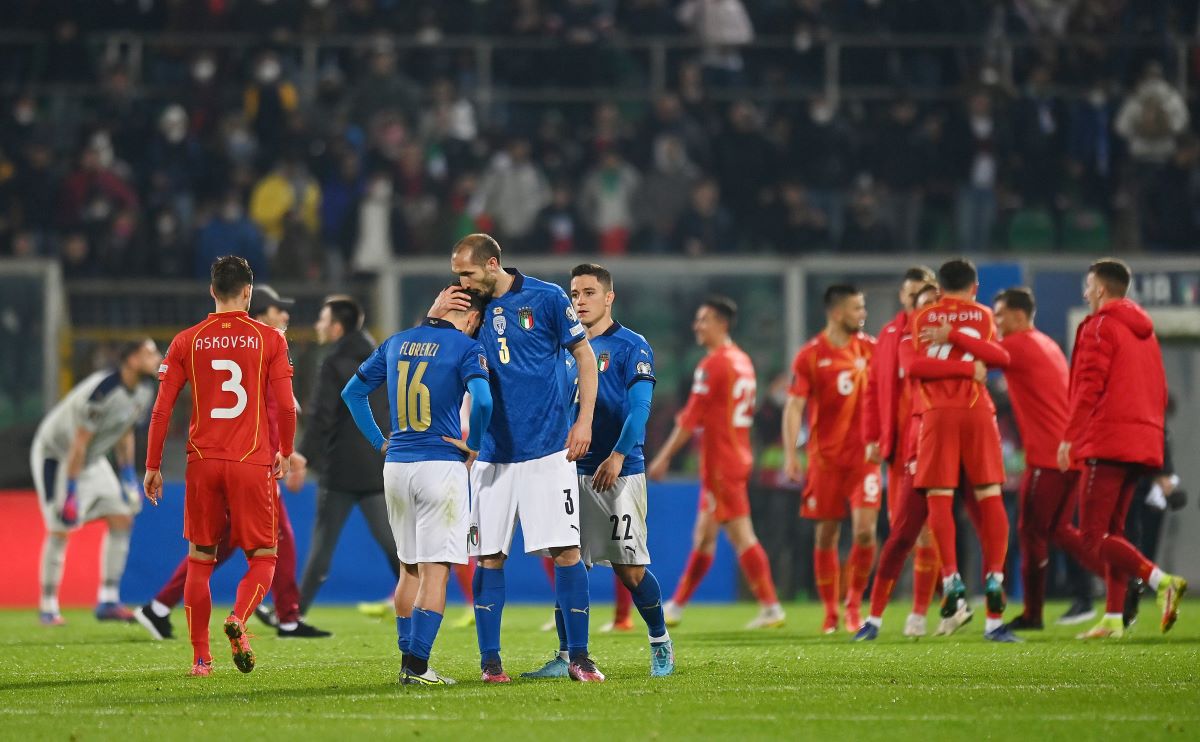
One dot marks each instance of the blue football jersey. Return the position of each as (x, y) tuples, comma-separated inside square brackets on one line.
[(524, 334), (426, 370), (623, 357)]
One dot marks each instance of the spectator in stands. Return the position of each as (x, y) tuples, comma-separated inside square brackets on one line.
[(284, 204), (723, 26), (340, 193), (77, 258), (419, 186), (227, 231), (669, 117), (449, 120), (705, 227), (746, 164), (175, 166), (821, 153), (1172, 217), (560, 230), (606, 202), (1039, 125), (866, 230), (513, 193), (663, 193), (34, 192), (797, 227), (647, 18), (981, 146), (1092, 147), (383, 88), (899, 161), (376, 228), (267, 104), (94, 193)]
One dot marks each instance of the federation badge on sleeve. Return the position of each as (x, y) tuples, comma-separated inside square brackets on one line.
[(645, 369), (602, 362), (525, 318), (483, 362), (571, 314), (499, 324)]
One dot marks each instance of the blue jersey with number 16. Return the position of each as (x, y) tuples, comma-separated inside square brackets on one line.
[(426, 369), (523, 334)]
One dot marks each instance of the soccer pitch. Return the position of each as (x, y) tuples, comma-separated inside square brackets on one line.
[(102, 681)]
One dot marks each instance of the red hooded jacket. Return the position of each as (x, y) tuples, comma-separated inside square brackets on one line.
[(881, 416), (1118, 388)]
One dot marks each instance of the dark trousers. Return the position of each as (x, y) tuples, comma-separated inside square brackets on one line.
[(333, 507)]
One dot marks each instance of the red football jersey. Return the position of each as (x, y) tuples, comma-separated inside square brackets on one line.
[(722, 405), (1037, 385), (971, 318), (229, 359), (834, 382)]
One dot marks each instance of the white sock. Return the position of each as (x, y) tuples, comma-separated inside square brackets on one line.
[(991, 624), (159, 609), (54, 553), (666, 637), (998, 575), (876, 621), (1156, 577), (289, 626), (113, 554), (565, 656), (1113, 617), (948, 581)]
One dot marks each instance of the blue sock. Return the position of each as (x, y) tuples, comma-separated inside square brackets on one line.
[(489, 606), (648, 599), (425, 625), (404, 633), (560, 623), (571, 589)]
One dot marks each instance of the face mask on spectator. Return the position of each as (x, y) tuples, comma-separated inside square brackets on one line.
[(203, 69), (173, 124), (381, 189), (24, 112), (1097, 97), (822, 113), (268, 71), (231, 211)]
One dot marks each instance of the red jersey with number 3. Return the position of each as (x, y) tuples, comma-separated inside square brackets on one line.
[(834, 381), (970, 318), (722, 405), (229, 360)]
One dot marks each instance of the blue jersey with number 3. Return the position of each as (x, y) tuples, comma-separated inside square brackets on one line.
[(623, 358), (426, 369), (523, 335)]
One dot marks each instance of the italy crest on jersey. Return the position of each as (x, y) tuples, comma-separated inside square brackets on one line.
[(525, 318), (602, 362)]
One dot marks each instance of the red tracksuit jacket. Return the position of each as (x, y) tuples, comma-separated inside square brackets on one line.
[(881, 413), (1118, 388)]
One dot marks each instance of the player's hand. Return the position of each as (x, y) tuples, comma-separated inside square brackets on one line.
[(980, 371), (1064, 456), (937, 335), (299, 469), (874, 453), (452, 299), (607, 473), (657, 470), (282, 465), (578, 440), (792, 469), (461, 445), (153, 486)]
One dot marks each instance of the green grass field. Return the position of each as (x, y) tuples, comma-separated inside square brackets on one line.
[(90, 681)]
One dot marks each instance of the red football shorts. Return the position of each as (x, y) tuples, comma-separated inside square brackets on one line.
[(831, 491), (240, 494), (725, 499), (953, 440)]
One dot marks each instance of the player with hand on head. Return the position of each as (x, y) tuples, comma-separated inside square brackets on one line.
[(1037, 386), (959, 435), (612, 479), (526, 467), (428, 370), (76, 483), (1115, 429), (721, 407), (829, 375), (887, 415), (234, 364)]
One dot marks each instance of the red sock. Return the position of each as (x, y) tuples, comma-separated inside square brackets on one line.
[(697, 567), (757, 569), (994, 536), (1117, 552), (858, 572), (197, 605), (925, 574), (548, 566), (941, 522), (825, 568), (881, 595), (254, 585), (464, 574), (1116, 584), (624, 601)]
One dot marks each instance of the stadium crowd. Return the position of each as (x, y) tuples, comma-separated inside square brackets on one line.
[(157, 166)]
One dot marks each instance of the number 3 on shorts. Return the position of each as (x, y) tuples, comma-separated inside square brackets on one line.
[(570, 504)]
